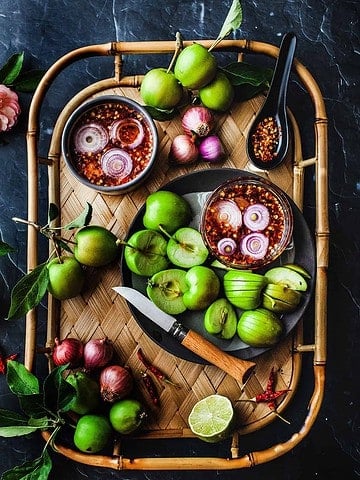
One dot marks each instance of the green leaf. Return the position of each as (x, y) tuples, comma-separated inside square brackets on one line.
[(53, 212), (5, 248), (28, 81), (64, 245), (37, 469), (28, 292), (162, 115), (82, 220), (247, 91), (12, 68), (232, 21), (58, 393), (244, 73), (20, 380), (13, 424), (41, 422), (33, 405)]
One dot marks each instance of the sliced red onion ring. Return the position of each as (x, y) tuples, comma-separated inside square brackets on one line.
[(256, 217), (128, 131), (90, 138), (227, 212), (226, 246), (255, 245), (116, 163)]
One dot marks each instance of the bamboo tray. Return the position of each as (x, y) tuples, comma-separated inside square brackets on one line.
[(100, 312)]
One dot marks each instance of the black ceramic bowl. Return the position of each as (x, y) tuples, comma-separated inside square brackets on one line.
[(110, 144)]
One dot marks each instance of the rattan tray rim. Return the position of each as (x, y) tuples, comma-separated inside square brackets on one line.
[(321, 234)]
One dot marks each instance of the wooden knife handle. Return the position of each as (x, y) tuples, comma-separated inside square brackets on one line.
[(236, 367)]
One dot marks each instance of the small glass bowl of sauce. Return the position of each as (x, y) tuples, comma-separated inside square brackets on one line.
[(247, 222)]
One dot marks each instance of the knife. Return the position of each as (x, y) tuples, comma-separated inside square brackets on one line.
[(236, 367)]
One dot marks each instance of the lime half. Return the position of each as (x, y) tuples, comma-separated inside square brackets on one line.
[(211, 418)]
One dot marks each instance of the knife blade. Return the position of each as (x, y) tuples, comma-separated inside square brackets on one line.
[(238, 368)]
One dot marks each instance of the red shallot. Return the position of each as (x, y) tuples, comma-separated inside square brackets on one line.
[(128, 131), (116, 382), (211, 149), (183, 150), (97, 353), (256, 217), (198, 121), (116, 163), (227, 213), (255, 245), (69, 350), (90, 138)]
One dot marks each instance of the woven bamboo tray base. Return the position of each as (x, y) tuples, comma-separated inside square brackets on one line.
[(100, 312)]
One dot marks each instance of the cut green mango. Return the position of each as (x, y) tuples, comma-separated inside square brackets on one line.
[(298, 269), (287, 277), (166, 289), (260, 328), (280, 299), (221, 319), (243, 289), (145, 253), (186, 248), (243, 275)]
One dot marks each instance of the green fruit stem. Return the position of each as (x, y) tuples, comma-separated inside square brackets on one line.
[(165, 232), (126, 244), (27, 222), (184, 245), (178, 48), (48, 233)]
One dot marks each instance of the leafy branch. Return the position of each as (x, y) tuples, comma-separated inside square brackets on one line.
[(248, 80), (31, 288), (43, 406), (12, 74), (232, 22)]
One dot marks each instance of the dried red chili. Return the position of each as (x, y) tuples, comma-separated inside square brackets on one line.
[(151, 388), (269, 395), (4, 360), (271, 381), (153, 369)]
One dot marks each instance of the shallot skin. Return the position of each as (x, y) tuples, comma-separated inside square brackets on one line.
[(211, 149), (183, 150), (197, 121), (97, 353), (116, 382), (69, 350)]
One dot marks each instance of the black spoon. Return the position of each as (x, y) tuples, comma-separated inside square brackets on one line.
[(268, 138)]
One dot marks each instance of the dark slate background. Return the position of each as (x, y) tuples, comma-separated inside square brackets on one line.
[(328, 45)]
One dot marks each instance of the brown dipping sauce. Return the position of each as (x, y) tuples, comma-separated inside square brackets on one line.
[(217, 226), (112, 125)]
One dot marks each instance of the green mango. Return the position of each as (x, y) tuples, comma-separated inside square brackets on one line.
[(260, 328), (221, 319), (243, 289), (281, 299), (287, 277)]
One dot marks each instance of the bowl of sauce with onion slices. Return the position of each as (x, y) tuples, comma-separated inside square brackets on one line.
[(110, 144), (247, 222)]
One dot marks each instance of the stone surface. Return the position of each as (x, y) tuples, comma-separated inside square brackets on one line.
[(328, 45)]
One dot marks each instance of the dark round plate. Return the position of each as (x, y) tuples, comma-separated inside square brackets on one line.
[(195, 187)]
